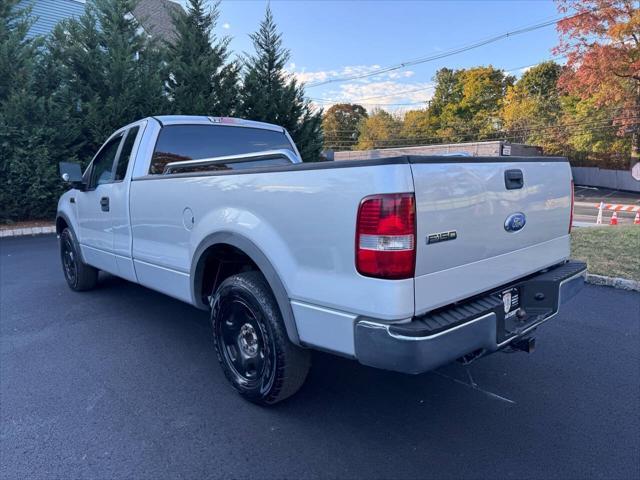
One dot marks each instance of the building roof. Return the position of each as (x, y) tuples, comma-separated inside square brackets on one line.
[(155, 17)]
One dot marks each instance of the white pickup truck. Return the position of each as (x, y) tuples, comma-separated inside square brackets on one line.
[(403, 263)]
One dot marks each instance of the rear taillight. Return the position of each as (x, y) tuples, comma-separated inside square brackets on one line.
[(385, 236), (571, 214)]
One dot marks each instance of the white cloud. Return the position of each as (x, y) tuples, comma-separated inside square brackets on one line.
[(387, 91), (390, 95), (377, 91), (310, 77), (349, 71), (226, 26), (401, 74)]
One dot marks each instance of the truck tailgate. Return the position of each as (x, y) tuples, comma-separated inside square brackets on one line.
[(468, 235)]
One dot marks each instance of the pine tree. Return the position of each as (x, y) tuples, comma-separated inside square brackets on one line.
[(34, 129), (17, 50), (269, 94), (202, 81), (114, 71)]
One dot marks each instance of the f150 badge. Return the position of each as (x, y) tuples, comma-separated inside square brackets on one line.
[(515, 222), (442, 237)]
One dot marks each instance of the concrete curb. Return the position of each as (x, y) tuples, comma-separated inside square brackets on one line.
[(20, 232), (621, 283)]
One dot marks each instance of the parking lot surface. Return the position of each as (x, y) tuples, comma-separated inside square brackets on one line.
[(123, 382)]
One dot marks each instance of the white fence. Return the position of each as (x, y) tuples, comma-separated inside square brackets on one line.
[(598, 177)]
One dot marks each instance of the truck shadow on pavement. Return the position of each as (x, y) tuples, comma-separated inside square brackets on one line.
[(331, 379), (359, 403)]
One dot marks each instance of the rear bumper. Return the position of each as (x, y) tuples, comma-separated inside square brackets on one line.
[(478, 326)]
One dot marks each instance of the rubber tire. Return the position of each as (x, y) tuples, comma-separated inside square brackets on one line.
[(86, 275), (292, 363)]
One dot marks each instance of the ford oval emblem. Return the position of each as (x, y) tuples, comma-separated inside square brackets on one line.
[(515, 222)]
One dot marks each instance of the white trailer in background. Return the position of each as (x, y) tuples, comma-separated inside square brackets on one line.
[(497, 148)]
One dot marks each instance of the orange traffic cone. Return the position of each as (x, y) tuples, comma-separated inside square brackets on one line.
[(636, 221), (614, 219)]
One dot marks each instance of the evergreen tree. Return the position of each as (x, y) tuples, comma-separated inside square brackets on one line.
[(17, 51), (201, 81), (34, 127), (113, 70), (268, 94)]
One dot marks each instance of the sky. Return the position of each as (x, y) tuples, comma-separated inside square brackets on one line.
[(332, 39)]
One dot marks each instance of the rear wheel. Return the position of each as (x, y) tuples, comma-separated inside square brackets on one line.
[(79, 275), (252, 343)]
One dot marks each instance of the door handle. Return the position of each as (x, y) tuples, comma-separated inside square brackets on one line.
[(104, 204), (513, 179)]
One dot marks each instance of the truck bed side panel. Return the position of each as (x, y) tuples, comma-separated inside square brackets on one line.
[(303, 221)]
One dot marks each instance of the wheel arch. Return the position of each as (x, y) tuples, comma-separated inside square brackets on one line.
[(62, 222), (255, 254)]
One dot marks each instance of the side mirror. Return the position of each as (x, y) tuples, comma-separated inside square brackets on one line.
[(72, 174)]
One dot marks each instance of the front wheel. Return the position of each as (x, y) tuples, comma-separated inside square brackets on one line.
[(252, 343), (79, 275)]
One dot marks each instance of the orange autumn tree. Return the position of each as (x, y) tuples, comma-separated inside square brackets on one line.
[(601, 41)]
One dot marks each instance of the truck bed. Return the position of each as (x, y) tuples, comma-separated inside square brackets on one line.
[(304, 216)]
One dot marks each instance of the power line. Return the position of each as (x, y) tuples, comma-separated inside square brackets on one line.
[(378, 145), (430, 87), (612, 118), (451, 52), (499, 135), (488, 136)]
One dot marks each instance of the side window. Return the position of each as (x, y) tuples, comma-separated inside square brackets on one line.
[(125, 154), (179, 143), (102, 169)]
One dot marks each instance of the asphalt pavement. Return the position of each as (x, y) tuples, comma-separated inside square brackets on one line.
[(122, 382)]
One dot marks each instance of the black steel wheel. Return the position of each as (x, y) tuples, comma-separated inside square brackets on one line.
[(79, 275), (246, 347), (251, 341), (68, 253)]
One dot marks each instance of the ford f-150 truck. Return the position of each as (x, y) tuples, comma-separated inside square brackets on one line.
[(404, 263)]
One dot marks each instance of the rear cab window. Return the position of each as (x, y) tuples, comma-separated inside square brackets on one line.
[(180, 143)]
